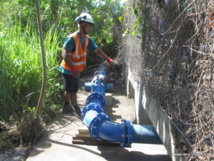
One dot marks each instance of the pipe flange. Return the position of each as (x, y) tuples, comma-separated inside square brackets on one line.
[(96, 95), (91, 106), (96, 123), (128, 129)]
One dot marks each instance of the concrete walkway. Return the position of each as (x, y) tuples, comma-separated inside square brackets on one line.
[(56, 144)]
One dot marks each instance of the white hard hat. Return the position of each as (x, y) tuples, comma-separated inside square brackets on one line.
[(85, 17)]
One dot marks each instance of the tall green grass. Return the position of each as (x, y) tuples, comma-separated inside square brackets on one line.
[(21, 69)]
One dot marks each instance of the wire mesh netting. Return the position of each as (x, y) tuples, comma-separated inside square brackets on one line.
[(168, 45)]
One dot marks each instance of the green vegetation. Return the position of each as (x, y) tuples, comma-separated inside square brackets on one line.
[(21, 69), (20, 57)]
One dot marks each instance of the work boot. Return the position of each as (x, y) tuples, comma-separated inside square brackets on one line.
[(77, 111), (67, 109)]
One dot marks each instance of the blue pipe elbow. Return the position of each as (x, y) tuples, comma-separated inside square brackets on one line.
[(112, 132), (89, 117), (101, 128)]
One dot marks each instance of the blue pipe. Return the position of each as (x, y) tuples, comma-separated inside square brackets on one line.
[(145, 134), (108, 87), (100, 125), (100, 74)]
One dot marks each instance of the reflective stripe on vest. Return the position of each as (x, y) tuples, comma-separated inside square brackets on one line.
[(79, 56), (79, 63)]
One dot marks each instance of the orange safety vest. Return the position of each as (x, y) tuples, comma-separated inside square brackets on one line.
[(78, 56)]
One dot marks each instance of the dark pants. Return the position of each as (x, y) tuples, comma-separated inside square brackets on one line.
[(71, 84)]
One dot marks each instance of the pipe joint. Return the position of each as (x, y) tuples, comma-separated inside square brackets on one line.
[(96, 124), (97, 86), (97, 98), (127, 136), (91, 106)]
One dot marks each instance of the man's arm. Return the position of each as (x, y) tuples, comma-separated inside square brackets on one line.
[(74, 71), (65, 53), (100, 53), (103, 55)]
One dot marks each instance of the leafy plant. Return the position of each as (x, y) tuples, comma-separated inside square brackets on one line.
[(20, 58), (139, 26)]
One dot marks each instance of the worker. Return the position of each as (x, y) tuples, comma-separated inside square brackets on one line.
[(74, 60)]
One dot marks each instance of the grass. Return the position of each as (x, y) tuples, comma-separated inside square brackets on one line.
[(21, 81)]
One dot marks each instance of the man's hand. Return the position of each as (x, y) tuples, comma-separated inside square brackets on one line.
[(109, 60), (74, 71)]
